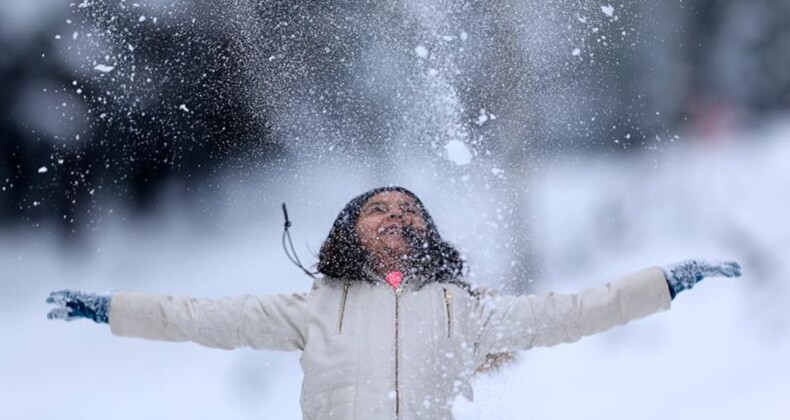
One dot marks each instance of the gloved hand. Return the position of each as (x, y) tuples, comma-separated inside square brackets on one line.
[(74, 305), (684, 275)]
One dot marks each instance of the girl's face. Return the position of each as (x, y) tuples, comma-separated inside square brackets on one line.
[(384, 222)]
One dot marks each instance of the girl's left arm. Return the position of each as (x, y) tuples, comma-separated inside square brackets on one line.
[(520, 322)]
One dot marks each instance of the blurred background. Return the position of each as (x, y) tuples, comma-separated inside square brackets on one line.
[(149, 145)]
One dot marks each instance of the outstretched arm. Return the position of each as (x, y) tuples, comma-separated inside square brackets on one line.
[(521, 322), (275, 322)]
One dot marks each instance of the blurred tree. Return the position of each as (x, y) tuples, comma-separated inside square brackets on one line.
[(188, 88)]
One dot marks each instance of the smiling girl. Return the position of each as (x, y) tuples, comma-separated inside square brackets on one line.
[(391, 330)]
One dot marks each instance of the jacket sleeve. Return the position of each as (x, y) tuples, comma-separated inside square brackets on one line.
[(511, 323), (276, 322)]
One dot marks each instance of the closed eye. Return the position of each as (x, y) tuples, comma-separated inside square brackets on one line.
[(409, 209), (376, 208)]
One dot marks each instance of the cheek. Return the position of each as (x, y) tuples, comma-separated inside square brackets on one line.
[(419, 223), (365, 230)]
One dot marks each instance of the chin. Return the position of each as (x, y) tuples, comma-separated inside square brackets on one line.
[(399, 250)]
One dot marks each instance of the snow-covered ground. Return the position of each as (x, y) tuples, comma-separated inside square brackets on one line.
[(722, 351)]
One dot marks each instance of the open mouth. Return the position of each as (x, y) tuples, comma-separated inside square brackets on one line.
[(392, 230)]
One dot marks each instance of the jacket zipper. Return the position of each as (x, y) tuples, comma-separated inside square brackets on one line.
[(346, 285), (397, 352), (448, 297)]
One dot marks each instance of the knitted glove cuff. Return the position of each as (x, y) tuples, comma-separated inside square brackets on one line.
[(95, 307), (682, 276)]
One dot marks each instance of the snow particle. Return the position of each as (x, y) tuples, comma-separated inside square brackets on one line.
[(458, 152), (576, 52), (608, 10), (421, 51), (183, 107), (42, 170), (484, 117), (103, 68)]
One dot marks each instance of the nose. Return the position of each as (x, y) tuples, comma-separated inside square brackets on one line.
[(395, 212)]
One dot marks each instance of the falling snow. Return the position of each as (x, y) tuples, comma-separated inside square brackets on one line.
[(103, 68), (458, 152)]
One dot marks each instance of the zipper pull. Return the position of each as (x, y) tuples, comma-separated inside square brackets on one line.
[(448, 296), (346, 285)]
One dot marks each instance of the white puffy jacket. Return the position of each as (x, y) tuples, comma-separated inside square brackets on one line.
[(369, 352)]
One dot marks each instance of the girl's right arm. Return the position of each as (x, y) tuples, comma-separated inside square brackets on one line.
[(276, 322)]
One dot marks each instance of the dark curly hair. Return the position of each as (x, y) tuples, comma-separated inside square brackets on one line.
[(342, 256)]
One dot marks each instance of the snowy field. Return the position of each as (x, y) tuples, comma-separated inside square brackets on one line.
[(722, 352)]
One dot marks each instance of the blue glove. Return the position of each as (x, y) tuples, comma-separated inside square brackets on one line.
[(684, 275), (74, 305)]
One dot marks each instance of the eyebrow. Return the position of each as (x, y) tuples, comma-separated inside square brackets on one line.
[(372, 203), (406, 203)]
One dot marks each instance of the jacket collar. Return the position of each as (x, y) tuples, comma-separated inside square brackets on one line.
[(411, 281)]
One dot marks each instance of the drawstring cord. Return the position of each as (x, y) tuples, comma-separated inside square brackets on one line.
[(291, 253)]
